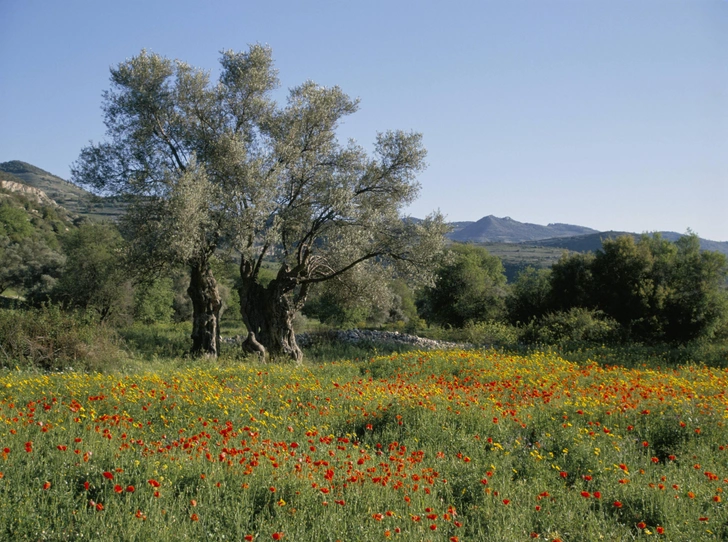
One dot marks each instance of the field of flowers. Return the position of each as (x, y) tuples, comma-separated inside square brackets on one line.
[(459, 445)]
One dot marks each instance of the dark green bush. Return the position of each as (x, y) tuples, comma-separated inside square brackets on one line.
[(577, 325)]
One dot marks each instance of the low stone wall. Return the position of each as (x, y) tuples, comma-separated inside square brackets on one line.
[(366, 335)]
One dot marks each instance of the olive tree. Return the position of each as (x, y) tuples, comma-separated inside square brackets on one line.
[(325, 208), (174, 142), (273, 184)]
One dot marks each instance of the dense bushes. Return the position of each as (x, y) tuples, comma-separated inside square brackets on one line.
[(568, 328), (50, 339), (470, 287), (651, 290), (94, 277)]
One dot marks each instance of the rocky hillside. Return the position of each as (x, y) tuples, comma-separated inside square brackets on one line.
[(74, 198), (29, 192)]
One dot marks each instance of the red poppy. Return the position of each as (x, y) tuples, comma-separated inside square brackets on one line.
[(248, 537), (47, 485), (641, 525), (108, 475), (130, 489), (617, 504), (433, 527), (277, 536), (118, 488), (195, 517), (660, 530)]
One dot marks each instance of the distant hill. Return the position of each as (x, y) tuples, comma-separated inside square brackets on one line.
[(491, 229), (73, 198), (457, 226), (517, 243)]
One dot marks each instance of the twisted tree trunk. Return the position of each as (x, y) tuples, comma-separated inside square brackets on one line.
[(206, 304), (268, 312)]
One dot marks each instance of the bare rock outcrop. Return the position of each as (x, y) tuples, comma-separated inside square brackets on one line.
[(28, 191)]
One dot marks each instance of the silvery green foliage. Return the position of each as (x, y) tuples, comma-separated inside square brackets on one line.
[(284, 186), (177, 144), (181, 227), (333, 206)]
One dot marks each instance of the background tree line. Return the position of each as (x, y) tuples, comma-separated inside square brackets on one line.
[(649, 290)]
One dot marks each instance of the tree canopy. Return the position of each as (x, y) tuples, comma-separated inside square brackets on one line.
[(212, 166), (470, 287), (654, 289)]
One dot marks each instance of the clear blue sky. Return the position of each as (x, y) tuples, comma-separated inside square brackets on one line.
[(611, 114)]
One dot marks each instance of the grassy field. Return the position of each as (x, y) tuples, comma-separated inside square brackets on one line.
[(459, 445)]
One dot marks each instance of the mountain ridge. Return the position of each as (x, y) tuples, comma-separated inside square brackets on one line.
[(506, 230), (489, 229)]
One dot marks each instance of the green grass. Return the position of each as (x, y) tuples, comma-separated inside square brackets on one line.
[(461, 445)]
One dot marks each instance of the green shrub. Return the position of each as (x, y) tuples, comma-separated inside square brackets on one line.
[(50, 339), (170, 340), (490, 333), (577, 325), (153, 301)]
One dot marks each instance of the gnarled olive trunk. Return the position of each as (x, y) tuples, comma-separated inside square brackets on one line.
[(206, 304), (268, 312)]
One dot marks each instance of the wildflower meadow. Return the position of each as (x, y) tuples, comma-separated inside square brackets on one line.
[(454, 446)]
